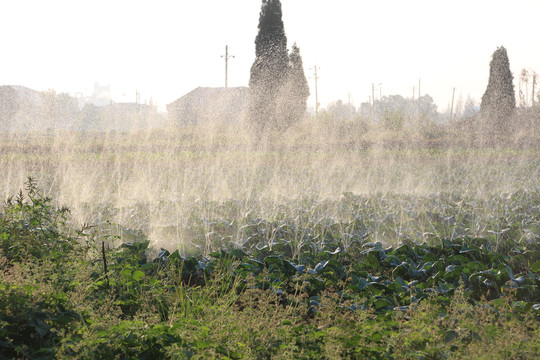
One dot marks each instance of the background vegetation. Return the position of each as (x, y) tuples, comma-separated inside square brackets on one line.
[(339, 240)]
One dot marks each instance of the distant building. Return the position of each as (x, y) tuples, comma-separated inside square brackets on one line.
[(16, 96), (26, 110), (210, 105), (100, 97), (27, 96), (20, 108), (130, 116), (120, 117)]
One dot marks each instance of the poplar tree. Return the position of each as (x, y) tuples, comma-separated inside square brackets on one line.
[(269, 69), (295, 92), (278, 86), (499, 101)]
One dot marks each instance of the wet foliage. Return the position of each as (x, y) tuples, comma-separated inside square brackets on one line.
[(344, 296)]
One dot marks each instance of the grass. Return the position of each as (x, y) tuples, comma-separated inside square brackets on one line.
[(327, 244), (207, 322), (58, 303)]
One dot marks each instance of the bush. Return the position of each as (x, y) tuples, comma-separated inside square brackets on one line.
[(32, 229)]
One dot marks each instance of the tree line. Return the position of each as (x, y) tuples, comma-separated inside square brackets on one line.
[(279, 90)]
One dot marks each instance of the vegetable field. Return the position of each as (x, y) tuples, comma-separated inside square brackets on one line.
[(199, 244)]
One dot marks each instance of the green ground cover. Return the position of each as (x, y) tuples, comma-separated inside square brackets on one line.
[(328, 243), (326, 290)]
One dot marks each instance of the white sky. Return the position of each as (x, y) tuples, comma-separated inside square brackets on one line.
[(166, 48)]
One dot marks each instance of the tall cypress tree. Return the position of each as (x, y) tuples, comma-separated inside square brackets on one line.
[(499, 101), (295, 92), (269, 69)]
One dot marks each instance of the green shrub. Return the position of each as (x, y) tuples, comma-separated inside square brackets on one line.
[(31, 228)]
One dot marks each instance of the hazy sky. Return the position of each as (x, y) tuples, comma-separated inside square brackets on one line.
[(166, 48)]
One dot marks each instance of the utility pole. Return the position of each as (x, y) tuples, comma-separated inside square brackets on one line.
[(413, 110), (534, 83), (316, 77), (452, 107), (418, 105), (373, 97), (372, 101), (227, 56)]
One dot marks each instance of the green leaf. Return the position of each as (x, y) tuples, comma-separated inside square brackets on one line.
[(147, 266), (320, 266), (294, 268), (362, 284), (392, 260), (381, 302), (401, 270), (190, 265), (163, 253), (536, 266), (269, 260), (238, 254), (143, 245), (450, 336), (202, 344), (138, 275), (521, 306), (175, 256), (500, 302), (458, 259), (337, 251)]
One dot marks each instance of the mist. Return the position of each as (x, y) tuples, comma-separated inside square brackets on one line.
[(197, 187)]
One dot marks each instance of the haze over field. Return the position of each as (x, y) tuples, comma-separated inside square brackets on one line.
[(242, 225), (167, 48), (117, 161)]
